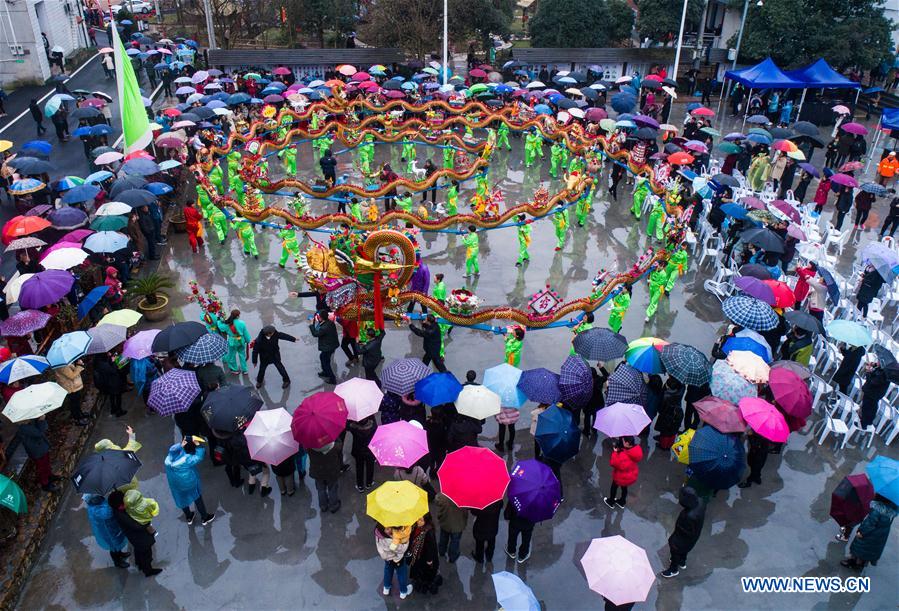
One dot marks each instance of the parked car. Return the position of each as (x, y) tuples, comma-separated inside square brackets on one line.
[(134, 6)]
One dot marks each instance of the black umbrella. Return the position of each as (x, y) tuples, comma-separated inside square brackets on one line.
[(230, 408), (805, 128), (102, 472), (600, 344), (669, 82), (580, 77), (34, 152), (189, 116), (672, 148), (888, 362), (650, 84), (726, 180), (756, 271), (646, 133), (764, 238), (124, 184), (395, 85), (31, 165), (590, 94), (203, 112), (565, 103), (804, 321), (85, 112), (178, 335), (138, 197), (779, 133)]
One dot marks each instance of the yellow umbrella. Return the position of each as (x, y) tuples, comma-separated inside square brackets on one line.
[(123, 318), (5, 145), (749, 365), (397, 503)]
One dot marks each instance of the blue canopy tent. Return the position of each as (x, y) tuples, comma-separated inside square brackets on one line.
[(820, 75), (764, 75), (889, 120)]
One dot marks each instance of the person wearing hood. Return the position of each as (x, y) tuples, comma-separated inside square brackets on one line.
[(624, 459), (139, 532), (868, 288), (872, 534), (184, 480), (392, 543), (325, 467), (106, 530), (687, 529), (267, 352), (115, 293), (873, 390)]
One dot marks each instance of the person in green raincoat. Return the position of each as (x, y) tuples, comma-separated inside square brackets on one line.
[(247, 236), (560, 222), (656, 225), (577, 164), (532, 143), (408, 154), (289, 157), (657, 280), (142, 509), (233, 163), (367, 150), (289, 244), (513, 343), (216, 177), (472, 250), (323, 144), (566, 156), (677, 266), (449, 154), (555, 158), (235, 331), (585, 325), (482, 186), (452, 199), (438, 292), (641, 190), (356, 209), (524, 240), (236, 185), (300, 204), (620, 303), (219, 223), (759, 171), (502, 136), (404, 202), (584, 205), (203, 200)]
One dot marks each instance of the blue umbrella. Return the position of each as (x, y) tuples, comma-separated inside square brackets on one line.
[(140, 167), (717, 459), (98, 177), (216, 103), (850, 332), (69, 347), (559, 438), (91, 299), (543, 109), (540, 385), (158, 188), (503, 380), (884, 475), (41, 146), (81, 193), (874, 188), (747, 344), (833, 289), (623, 102), (169, 164), (84, 130), (513, 594), (106, 241), (100, 130), (437, 389), (735, 210), (22, 367), (759, 139), (626, 386), (575, 382)]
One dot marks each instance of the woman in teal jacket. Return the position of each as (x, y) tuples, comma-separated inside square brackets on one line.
[(183, 479)]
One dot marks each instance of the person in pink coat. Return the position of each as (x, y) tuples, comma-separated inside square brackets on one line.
[(624, 459), (506, 419)]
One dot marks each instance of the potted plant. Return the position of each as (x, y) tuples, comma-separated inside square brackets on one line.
[(150, 290), (178, 222)]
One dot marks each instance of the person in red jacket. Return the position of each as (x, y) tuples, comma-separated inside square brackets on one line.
[(624, 459), (192, 218)]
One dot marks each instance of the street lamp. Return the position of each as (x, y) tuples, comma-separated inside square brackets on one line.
[(445, 41)]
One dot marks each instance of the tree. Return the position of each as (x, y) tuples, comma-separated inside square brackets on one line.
[(413, 25), (232, 19), (795, 33), (580, 23), (478, 19), (318, 16), (659, 20)]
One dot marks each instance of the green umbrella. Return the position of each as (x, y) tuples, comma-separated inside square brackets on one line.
[(729, 148), (109, 223), (12, 496), (253, 75), (478, 88), (710, 131)]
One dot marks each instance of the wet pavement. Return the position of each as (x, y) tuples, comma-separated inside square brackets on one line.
[(282, 552)]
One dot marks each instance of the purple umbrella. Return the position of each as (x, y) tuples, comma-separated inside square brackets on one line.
[(621, 419), (646, 121), (39, 210), (809, 168), (401, 375), (844, 180), (67, 218), (173, 392), (22, 323), (855, 128), (534, 490), (140, 345), (755, 288), (540, 385), (575, 382), (45, 288)]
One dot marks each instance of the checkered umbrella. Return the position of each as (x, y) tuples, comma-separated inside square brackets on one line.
[(750, 312), (626, 386), (173, 392), (210, 347), (727, 384), (401, 375), (687, 364), (22, 323), (540, 385), (575, 382), (600, 344)]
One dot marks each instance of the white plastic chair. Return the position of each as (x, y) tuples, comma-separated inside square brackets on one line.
[(856, 427), (831, 424), (711, 248)]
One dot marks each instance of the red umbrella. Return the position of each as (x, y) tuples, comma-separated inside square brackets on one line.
[(680, 158), (653, 77), (20, 226), (595, 114), (281, 71), (787, 209), (319, 419), (702, 111), (790, 392), (783, 294), (477, 73), (851, 500), (171, 112), (721, 414), (473, 477)]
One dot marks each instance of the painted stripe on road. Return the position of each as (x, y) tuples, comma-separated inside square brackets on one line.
[(28, 111)]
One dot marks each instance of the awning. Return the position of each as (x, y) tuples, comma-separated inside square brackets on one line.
[(765, 75), (820, 75)]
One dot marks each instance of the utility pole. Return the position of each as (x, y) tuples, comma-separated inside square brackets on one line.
[(445, 40), (680, 41), (740, 34), (209, 26)]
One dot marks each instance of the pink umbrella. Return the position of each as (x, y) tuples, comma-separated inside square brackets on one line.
[(58, 245), (721, 414), (360, 76), (844, 179), (786, 209), (620, 419), (77, 236), (855, 128), (319, 420), (764, 419), (795, 231), (753, 202), (362, 398), (841, 110), (269, 437), (140, 345), (281, 71), (790, 392), (394, 94), (399, 444), (473, 477), (618, 570)]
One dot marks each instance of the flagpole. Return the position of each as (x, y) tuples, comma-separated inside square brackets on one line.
[(445, 41)]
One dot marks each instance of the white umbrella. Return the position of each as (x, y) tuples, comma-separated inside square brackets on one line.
[(14, 286), (34, 401), (362, 398), (618, 569), (113, 209), (534, 85), (478, 402), (64, 258), (269, 438)]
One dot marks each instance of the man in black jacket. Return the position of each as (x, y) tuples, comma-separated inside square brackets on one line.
[(325, 330), (329, 167), (145, 222), (267, 352), (371, 356), (431, 342), (38, 117)]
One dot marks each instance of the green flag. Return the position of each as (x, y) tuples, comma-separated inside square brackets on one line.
[(135, 124)]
